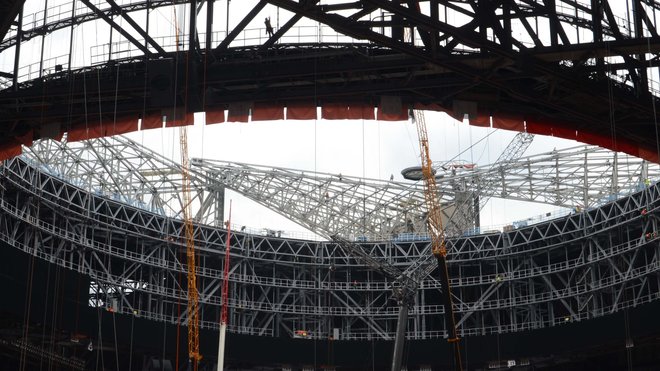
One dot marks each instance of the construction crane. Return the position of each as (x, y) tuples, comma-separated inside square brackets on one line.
[(436, 232), (471, 187), (193, 296), (405, 283), (224, 317)]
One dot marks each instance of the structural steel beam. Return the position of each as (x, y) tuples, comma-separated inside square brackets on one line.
[(136, 27), (241, 25), (117, 27)]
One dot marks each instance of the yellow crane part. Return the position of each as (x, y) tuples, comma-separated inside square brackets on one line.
[(436, 231), (193, 296)]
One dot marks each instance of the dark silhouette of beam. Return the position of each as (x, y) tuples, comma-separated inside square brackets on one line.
[(137, 27), (9, 12), (117, 27), (241, 25)]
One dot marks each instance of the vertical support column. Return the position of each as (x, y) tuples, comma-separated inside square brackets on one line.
[(434, 34), (227, 23), (209, 24), (551, 7), (73, 15), (585, 185), (506, 20), (615, 175), (192, 32), (43, 41), (643, 86), (110, 41), (482, 13), (422, 304), (597, 29), (397, 357), (644, 174), (17, 54), (476, 210), (219, 214), (221, 347), (146, 26), (192, 93)]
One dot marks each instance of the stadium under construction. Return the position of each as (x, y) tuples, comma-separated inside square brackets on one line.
[(118, 257)]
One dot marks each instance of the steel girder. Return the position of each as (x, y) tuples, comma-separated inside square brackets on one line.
[(590, 73), (474, 35), (582, 266)]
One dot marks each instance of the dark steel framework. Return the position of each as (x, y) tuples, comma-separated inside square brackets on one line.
[(576, 65)]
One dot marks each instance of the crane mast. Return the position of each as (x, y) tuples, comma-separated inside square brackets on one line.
[(436, 232), (193, 296)]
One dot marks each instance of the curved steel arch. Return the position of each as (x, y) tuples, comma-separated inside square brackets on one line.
[(563, 86)]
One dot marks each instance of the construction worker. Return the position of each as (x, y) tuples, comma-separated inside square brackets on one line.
[(269, 28)]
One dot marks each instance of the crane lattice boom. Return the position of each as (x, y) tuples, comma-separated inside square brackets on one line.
[(193, 296), (434, 220)]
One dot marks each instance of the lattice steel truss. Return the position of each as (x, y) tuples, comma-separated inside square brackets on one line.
[(332, 204), (578, 267)]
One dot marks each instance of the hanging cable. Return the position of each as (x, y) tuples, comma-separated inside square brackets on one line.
[(467, 366), (56, 299), (26, 313), (130, 347), (610, 95), (114, 330), (628, 339), (164, 342), (59, 303), (45, 308), (99, 344)]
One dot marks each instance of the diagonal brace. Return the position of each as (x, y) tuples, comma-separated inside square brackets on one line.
[(137, 27), (241, 25), (119, 29)]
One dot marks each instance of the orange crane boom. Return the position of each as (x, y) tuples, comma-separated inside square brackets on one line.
[(193, 296), (436, 231)]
